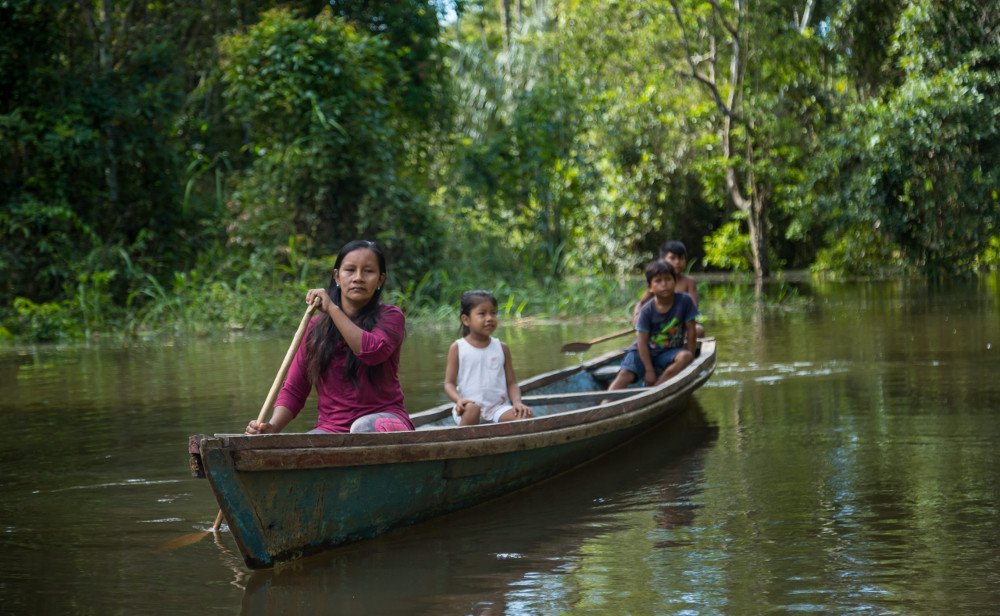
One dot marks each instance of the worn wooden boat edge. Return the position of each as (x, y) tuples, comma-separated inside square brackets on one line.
[(542, 432), (633, 398)]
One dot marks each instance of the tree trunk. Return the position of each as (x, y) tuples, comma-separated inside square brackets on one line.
[(103, 34), (806, 14), (505, 18), (729, 107), (107, 66), (758, 238)]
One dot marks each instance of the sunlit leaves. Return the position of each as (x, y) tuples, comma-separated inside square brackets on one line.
[(919, 162)]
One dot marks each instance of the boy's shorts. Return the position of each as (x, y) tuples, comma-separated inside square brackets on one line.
[(661, 359)]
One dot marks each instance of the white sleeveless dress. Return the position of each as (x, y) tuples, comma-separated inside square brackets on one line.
[(481, 378)]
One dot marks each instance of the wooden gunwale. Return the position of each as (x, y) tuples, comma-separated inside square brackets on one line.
[(236, 442), (308, 458), (579, 396), (288, 451)]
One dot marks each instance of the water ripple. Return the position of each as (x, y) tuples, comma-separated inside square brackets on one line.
[(114, 484)]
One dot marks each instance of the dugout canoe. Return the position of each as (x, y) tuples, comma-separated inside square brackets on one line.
[(288, 495)]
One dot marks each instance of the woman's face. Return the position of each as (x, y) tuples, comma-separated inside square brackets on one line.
[(359, 277)]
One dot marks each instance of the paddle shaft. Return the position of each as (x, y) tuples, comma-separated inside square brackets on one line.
[(580, 347), (292, 348), (278, 379), (614, 335), (218, 522)]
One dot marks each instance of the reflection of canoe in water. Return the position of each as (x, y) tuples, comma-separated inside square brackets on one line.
[(287, 495), (518, 552)]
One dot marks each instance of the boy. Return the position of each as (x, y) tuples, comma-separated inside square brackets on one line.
[(674, 252), (665, 331)]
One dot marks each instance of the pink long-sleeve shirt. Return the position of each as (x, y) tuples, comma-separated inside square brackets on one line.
[(340, 400)]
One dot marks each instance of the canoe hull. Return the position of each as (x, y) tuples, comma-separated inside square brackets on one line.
[(286, 496)]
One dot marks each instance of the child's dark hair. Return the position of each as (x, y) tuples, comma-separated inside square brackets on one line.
[(659, 268), (324, 336), (674, 246), (471, 299)]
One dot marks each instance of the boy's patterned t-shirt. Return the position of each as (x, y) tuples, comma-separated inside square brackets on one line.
[(666, 330)]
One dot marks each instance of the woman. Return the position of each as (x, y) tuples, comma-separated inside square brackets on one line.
[(351, 353)]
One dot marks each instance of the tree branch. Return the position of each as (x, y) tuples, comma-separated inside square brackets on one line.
[(695, 73), (806, 13), (731, 29)]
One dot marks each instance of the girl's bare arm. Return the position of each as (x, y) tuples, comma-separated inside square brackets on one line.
[(513, 389), (451, 374)]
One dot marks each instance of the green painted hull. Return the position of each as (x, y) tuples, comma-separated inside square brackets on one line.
[(288, 495)]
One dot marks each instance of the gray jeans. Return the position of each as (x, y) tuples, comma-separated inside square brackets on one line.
[(362, 424)]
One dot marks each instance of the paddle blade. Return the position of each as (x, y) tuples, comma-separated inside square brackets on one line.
[(190, 538), (182, 541), (575, 347)]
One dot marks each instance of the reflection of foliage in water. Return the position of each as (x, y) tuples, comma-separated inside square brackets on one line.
[(730, 301)]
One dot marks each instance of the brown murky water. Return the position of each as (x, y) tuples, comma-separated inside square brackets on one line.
[(843, 458)]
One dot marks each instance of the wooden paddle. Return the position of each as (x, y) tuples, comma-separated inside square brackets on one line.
[(190, 538), (580, 347), (292, 348)]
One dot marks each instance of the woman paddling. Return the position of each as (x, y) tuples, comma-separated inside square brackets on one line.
[(350, 354)]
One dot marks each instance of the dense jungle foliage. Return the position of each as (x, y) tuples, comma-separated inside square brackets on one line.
[(188, 165)]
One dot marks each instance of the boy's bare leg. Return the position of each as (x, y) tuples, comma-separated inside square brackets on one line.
[(622, 380), (680, 362)]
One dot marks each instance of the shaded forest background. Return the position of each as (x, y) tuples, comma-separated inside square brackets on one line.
[(186, 165)]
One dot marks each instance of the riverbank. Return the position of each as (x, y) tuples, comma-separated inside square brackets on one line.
[(224, 311)]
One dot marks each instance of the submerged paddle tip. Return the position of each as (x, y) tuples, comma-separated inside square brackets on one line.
[(575, 347), (182, 541)]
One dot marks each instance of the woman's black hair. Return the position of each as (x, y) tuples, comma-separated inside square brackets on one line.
[(325, 337), (471, 299)]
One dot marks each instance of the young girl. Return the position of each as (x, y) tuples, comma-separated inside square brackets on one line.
[(480, 375)]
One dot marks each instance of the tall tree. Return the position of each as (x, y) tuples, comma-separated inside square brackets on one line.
[(757, 64), (746, 192)]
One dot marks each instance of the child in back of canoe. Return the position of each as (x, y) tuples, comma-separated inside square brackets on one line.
[(665, 332), (674, 252), (479, 376)]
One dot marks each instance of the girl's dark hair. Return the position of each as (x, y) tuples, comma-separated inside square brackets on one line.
[(471, 299), (324, 337)]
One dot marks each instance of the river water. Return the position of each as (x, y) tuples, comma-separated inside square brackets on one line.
[(843, 458)]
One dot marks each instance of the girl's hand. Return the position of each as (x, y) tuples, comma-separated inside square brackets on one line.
[(258, 427), (649, 378), (521, 411), (325, 303), (460, 406)]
